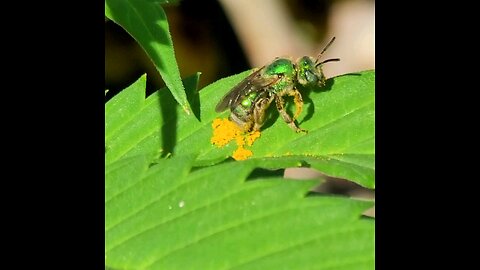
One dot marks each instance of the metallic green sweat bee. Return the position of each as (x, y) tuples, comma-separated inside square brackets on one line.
[(249, 100)]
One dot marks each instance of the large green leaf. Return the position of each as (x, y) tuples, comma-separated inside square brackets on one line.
[(169, 215), (134, 125), (147, 22), (340, 119)]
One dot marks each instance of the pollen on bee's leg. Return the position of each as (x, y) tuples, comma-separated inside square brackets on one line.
[(297, 98)]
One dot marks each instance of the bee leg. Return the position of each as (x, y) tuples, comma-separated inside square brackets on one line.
[(259, 112), (297, 98), (248, 126), (281, 108)]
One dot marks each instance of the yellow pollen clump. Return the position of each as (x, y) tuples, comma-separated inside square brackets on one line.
[(225, 131), (251, 137), (241, 153)]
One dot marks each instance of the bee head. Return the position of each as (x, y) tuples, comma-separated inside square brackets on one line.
[(309, 70)]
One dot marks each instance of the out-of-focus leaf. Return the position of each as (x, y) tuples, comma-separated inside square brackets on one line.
[(146, 21)]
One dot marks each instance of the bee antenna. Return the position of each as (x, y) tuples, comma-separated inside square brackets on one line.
[(324, 49), (328, 60)]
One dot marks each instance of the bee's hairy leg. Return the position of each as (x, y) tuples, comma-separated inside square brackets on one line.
[(297, 98), (259, 112), (281, 109)]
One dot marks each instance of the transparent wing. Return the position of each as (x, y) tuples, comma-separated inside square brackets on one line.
[(253, 83)]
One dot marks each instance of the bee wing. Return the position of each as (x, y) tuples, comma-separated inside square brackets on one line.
[(254, 82)]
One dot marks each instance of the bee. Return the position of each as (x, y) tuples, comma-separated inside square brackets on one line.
[(249, 100)]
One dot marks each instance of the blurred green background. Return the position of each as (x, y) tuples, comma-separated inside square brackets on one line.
[(222, 38)]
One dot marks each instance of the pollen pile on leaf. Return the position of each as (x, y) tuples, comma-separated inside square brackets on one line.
[(241, 153), (225, 131), (251, 137)]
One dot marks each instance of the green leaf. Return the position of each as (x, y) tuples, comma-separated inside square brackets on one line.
[(169, 215), (125, 105), (340, 119), (135, 126), (147, 22)]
